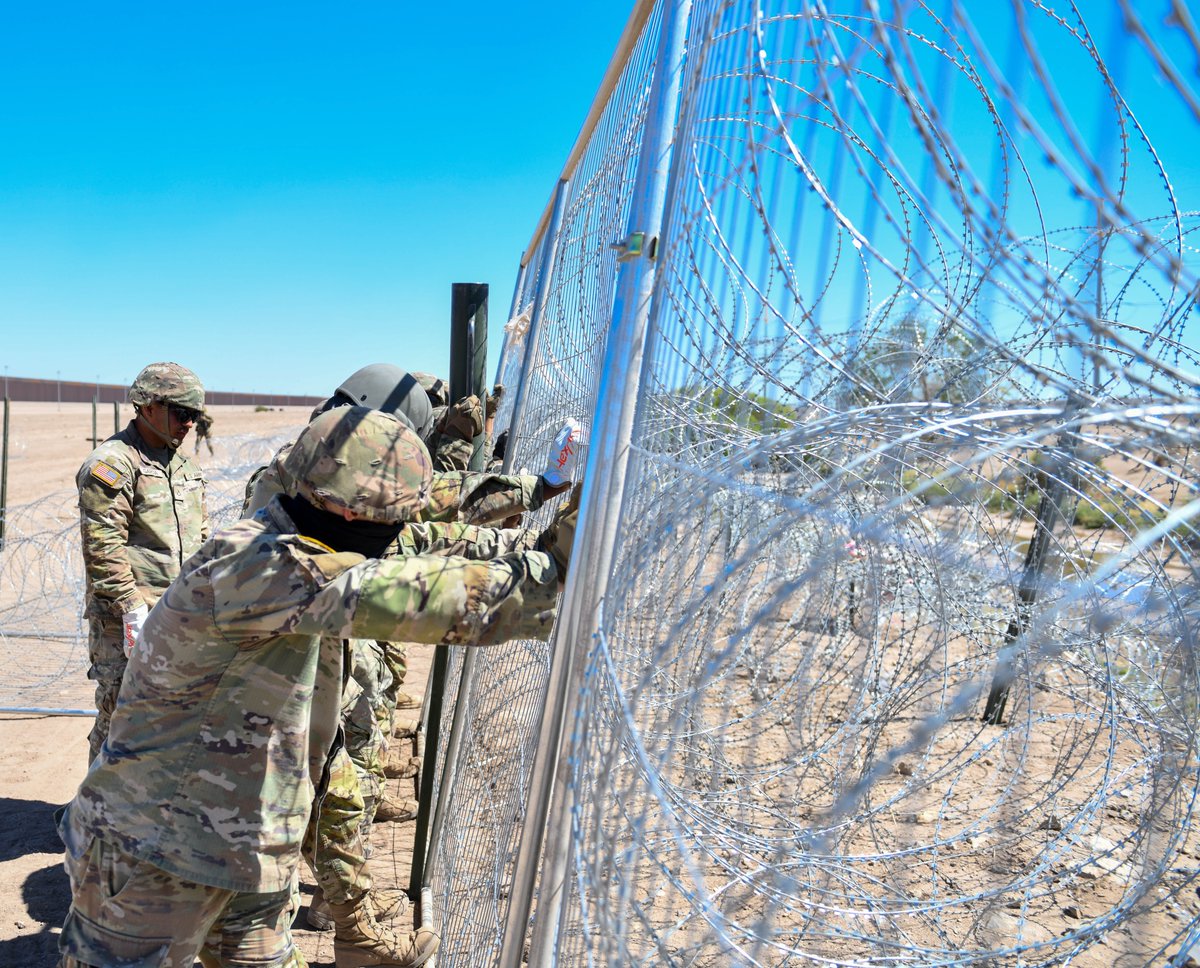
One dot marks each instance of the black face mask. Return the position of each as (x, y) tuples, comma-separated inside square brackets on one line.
[(363, 537)]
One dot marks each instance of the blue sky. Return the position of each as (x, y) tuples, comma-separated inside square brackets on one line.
[(275, 194)]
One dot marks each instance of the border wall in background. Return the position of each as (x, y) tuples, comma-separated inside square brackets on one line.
[(879, 643), (19, 388)]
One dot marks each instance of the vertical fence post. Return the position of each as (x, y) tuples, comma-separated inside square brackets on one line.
[(468, 362), (463, 699), (1056, 508), (4, 477), (548, 814), (95, 437), (116, 416)]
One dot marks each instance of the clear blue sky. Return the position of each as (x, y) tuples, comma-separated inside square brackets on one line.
[(270, 193)]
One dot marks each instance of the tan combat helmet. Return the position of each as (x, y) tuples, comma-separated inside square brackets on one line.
[(360, 464), (437, 388), (169, 383)]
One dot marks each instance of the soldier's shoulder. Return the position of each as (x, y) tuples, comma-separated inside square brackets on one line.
[(112, 464)]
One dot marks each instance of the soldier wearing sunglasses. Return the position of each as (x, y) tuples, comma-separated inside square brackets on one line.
[(142, 514)]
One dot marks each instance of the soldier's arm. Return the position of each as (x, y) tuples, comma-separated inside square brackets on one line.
[(105, 514), (205, 530), (483, 499), (462, 540), (423, 598), (264, 484), (457, 601)]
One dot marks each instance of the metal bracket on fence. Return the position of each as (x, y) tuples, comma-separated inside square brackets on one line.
[(634, 246)]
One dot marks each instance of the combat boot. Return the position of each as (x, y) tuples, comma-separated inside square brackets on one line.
[(386, 905), (406, 700), (402, 767), (406, 728), (391, 809), (360, 941)]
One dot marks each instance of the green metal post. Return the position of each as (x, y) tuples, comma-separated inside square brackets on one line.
[(468, 363)]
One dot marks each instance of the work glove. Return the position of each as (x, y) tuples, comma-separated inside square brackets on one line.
[(463, 420), (493, 401), (559, 536), (132, 623)]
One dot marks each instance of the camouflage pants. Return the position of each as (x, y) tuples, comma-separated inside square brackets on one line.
[(364, 716), (334, 842), (106, 655), (125, 911), (395, 657)]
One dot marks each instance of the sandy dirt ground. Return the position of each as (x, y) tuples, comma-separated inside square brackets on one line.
[(43, 758)]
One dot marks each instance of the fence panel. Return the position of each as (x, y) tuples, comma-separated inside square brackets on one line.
[(897, 658)]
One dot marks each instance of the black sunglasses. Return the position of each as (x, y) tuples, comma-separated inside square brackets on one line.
[(184, 414)]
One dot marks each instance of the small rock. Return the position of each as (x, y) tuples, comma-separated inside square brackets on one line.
[(19, 924), (1052, 822), (904, 768), (1072, 911)]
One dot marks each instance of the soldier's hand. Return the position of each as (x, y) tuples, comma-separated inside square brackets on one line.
[(559, 537), (463, 420), (132, 623), (553, 490), (493, 400)]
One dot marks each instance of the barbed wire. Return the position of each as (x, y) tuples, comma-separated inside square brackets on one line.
[(897, 662), (43, 626)]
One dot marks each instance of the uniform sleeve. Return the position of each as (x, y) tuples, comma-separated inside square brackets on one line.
[(106, 487), (482, 498), (265, 483), (456, 601), (463, 540), (431, 599)]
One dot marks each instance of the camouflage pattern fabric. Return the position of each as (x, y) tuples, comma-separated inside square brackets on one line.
[(142, 514), (437, 388), (363, 715), (106, 666), (360, 462), (204, 427), (477, 498), (455, 428), (168, 382), (336, 836), (231, 700), (163, 920)]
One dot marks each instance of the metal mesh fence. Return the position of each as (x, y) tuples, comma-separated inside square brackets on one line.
[(894, 658)]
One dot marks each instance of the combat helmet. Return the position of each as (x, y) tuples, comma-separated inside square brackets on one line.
[(169, 383), (437, 389), (362, 464), (388, 388)]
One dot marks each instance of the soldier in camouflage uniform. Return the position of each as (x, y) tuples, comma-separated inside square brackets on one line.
[(184, 838), (372, 693), (142, 514)]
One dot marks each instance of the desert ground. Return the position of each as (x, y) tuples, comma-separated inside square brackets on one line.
[(43, 757)]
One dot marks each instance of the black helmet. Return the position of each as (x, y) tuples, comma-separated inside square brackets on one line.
[(385, 387)]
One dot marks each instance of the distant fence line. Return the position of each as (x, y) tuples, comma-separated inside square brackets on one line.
[(19, 388)]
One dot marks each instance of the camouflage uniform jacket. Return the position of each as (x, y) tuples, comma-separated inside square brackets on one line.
[(142, 514), (230, 702), (476, 498)]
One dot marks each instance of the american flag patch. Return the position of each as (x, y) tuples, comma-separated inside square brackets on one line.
[(107, 473)]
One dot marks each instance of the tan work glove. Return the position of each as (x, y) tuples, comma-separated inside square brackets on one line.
[(463, 420), (559, 536)]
